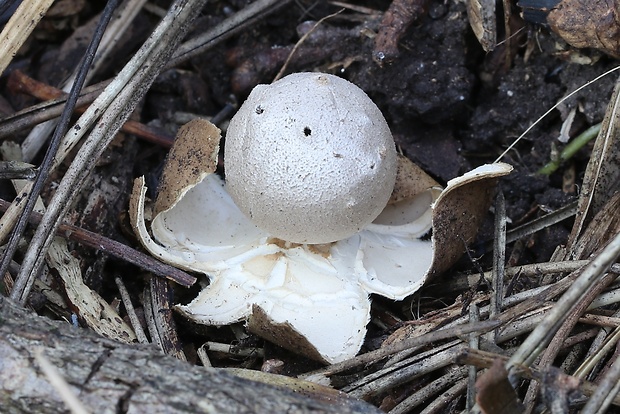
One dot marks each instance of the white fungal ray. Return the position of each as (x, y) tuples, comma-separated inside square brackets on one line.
[(321, 291)]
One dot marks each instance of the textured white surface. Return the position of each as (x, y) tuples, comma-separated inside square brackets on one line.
[(310, 158), (318, 292), (321, 291)]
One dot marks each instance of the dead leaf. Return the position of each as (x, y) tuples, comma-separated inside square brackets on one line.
[(584, 24), (494, 394)]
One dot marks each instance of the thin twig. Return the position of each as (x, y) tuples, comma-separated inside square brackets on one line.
[(112, 108), (430, 363), (229, 27), (499, 257), (540, 337), (438, 405), (24, 283), (485, 359), (555, 344), (374, 356), (543, 222), (37, 137), (588, 365), (54, 105), (474, 343), (391, 375), (606, 391), (430, 390), (19, 27), (163, 324), (116, 249), (131, 312)]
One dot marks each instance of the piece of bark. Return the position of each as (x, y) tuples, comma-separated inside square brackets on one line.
[(109, 377)]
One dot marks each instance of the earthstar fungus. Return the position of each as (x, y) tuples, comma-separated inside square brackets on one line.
[(310, 158), (310, 298)]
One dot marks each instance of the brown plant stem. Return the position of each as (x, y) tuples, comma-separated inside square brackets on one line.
[(19, 81), (116, 249)]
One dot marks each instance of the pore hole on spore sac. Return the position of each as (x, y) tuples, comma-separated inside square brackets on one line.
[(307, 131)]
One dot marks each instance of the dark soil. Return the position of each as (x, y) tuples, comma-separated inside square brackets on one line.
[(450, 105)]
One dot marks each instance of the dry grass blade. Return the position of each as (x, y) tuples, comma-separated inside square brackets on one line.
[(19, 27), (111, 110), (606, 391), (47, 165), (60, 384), (588, 365), (603, 172), (374, 356), (116, 249), (542, 335)]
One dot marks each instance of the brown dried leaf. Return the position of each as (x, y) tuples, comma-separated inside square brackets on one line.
[(594, 24), (494, 394)]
